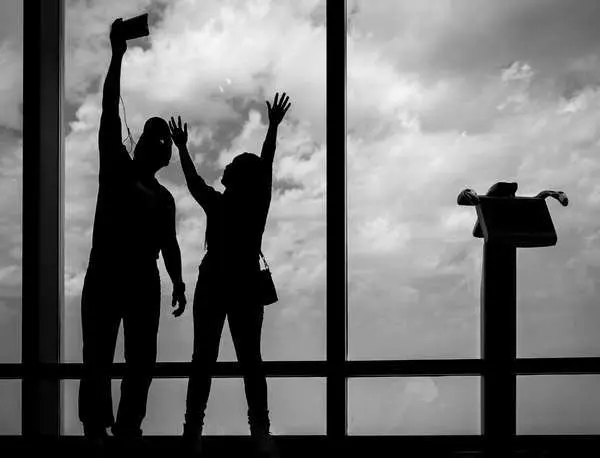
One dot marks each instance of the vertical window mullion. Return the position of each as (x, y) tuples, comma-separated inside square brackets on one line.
[(336, 221), (42, 213), (499, 345)]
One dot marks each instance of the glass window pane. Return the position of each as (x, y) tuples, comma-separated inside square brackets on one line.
[(558, 314), (557, 300), (414, 406), (558, 404), (11, 178), (10, 407), (437, 104), (297, 407), (215, 64), (414, 268)]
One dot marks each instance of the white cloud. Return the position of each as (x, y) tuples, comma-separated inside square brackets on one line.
[(381, 236), (193, 50), (420, 133), (424, 390), (11, 183), (10, 275), (435, 104), (11, 85), (7, 314), (518, 71)]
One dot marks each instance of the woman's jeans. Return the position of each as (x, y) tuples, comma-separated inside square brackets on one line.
[(213, 301)]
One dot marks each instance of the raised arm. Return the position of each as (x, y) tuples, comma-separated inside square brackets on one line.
[(276, 113), (109, 137), (200, 191), (112, 83)]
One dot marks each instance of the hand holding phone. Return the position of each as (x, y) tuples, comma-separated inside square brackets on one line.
[(135, 27), (121, 31)]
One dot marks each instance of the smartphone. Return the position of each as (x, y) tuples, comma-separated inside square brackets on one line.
[(135, 27)]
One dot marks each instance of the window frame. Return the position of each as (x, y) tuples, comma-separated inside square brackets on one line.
[(43, 241)]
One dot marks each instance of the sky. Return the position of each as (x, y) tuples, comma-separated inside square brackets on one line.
[(441, 96)]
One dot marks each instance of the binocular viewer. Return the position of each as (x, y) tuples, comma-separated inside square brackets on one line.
[(502, 217), (135, 27), (506, 222)]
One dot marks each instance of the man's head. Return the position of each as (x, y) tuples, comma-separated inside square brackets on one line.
[(154, 148), (243, 172)]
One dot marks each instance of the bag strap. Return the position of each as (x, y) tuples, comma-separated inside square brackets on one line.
[(264, 260)]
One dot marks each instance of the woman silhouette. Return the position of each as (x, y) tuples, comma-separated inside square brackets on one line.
[(226, 283)]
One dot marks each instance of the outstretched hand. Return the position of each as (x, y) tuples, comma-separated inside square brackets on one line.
[(117, 42), (179, 135), (279, 108)]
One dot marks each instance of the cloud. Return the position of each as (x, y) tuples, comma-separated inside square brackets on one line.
[(467, 104), (196, 51), (11, 179), (11, 85), (437, 38), (7, 314), (10, 275), (424, 390), (439, 96), (518, 71), (214, 64), (87, 24), (414, 406), (433, 107)]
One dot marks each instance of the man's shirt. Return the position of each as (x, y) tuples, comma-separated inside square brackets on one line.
[(132, 215)]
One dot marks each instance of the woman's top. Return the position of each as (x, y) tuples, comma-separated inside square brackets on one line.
[(235, 224)]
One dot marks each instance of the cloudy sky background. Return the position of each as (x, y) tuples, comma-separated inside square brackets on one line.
[(441, 95)]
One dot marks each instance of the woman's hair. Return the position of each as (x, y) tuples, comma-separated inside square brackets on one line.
[(244, 172), (243, 175)]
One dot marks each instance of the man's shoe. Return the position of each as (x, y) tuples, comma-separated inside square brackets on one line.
[(192, 438), (96, 439), (131, 441), (133, 444), (264, 443)]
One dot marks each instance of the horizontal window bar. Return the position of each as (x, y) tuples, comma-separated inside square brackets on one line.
[(539, 366), (451, 442), (11, 371), (380, 442), (277, 369), (376, 368), (413, 368), (557, 441), (174, 370), (300, 446)]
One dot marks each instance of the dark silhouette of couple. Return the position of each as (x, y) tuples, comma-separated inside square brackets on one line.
[(134, 221)]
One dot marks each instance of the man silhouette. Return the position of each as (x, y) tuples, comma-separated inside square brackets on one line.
[(134, 221)]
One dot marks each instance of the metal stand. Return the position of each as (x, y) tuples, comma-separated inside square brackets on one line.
[(499, 323), (505, 222)]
